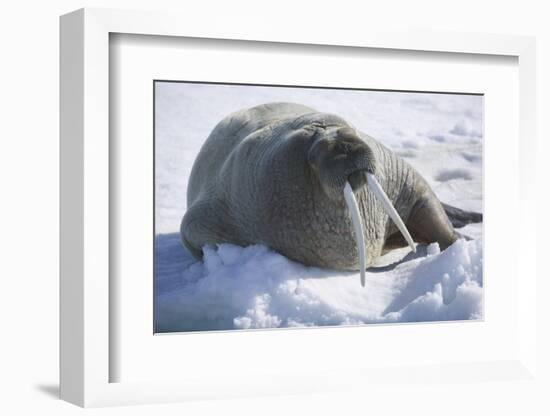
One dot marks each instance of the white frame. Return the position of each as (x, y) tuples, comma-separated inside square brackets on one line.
[(84, 130)]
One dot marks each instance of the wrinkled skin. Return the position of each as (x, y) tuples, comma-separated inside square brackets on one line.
[(275, 174)]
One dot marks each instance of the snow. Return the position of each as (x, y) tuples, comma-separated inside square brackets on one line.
[(255, 287)]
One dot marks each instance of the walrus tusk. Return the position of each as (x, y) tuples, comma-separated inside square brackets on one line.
[(374, 185), (357, 227)]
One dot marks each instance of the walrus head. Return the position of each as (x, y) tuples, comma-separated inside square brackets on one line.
[(344, 163)]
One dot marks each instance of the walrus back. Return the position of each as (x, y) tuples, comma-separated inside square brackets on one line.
[(226, 137)]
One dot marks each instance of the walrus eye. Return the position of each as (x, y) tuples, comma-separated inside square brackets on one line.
[(357, 222)]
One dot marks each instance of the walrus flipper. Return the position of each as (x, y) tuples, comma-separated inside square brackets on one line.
[(459, 218), (429, 223), (433, 221), (190, 230), (199, 227), (204, 225)]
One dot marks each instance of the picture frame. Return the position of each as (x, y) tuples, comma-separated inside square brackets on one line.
[(86, 303)]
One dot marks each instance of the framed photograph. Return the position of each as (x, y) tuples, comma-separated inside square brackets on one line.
[(312, 205), (286, 254)]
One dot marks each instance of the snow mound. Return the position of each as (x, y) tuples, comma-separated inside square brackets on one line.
[(254, 287)]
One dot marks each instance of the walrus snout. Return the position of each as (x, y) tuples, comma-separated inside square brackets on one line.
[(339, 156), (357, 179)]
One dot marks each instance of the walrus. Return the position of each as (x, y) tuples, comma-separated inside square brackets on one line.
[(311, 187)]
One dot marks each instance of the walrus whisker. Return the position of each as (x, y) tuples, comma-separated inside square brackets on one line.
[(374, 185), (357, 227)]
